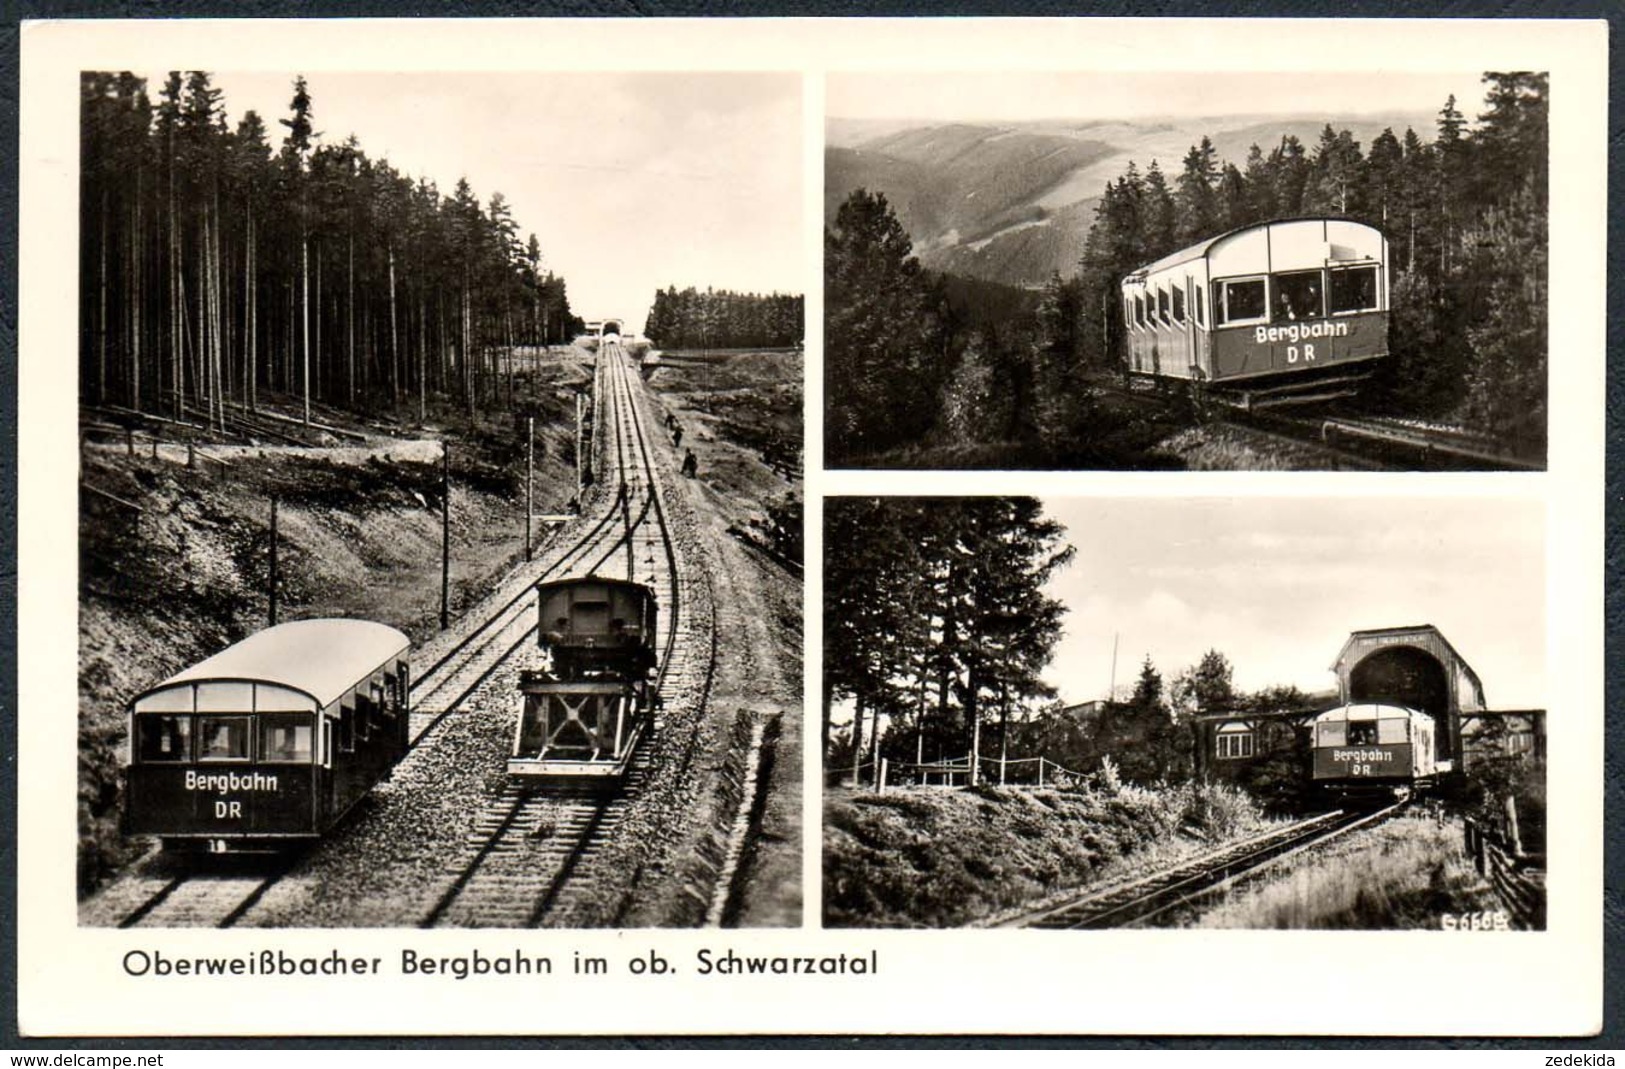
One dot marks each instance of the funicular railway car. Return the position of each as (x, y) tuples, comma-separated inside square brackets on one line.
[(1293, 310), (269, 742), (1373, 751), (583, 715)]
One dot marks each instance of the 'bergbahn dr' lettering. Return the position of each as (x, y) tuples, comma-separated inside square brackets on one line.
[(226, 782), (1299, 331), (1344, 756)]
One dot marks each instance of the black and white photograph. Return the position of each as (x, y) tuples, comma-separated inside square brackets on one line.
[(586, 529), (1193, 712), (440, 489), (1186, 271)]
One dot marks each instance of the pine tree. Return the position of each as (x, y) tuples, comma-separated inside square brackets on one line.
[(1384, 181), (878, 387), (1161, 233), (1261, 186), (1198, 204)]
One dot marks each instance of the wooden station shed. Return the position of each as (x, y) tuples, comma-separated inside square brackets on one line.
[(1417, 667)]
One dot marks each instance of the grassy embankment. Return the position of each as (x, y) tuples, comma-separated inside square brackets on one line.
[(741, 414), (1409, 872), (947, 858)]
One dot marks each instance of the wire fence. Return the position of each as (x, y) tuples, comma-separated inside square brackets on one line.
[(956, 772)]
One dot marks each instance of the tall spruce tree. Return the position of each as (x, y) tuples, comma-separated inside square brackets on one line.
[(880, 385)]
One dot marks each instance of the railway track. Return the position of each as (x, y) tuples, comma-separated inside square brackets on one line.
[(1279, 429), (526, 846), (529, 850), (1137, 901), (1354, 442)]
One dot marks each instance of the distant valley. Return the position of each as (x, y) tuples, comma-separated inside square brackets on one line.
[(1014, 202)]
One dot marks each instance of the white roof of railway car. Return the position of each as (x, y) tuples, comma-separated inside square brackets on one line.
[(1368, 711), (321, 658), (1202, 248)]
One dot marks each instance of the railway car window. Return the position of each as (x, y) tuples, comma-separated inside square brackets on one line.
[(1393, 730), (1128, 313), (1196, 292), (1139, 310), (1240, 301), (1353, 289), (394, 691), (346, 729), (222, 738), (1162, 305), (1179, 305), (163, 738), (1362, 733), (1298, 296), (1331, 733), (364, 716), (286, 739)]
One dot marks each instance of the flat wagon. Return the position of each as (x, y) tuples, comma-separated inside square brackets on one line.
[(268, 742), (583, 715)]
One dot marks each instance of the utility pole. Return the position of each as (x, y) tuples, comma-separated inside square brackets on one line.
[(273, 560), (1111, 691), (530, 476), (445, 536), (976, 750)]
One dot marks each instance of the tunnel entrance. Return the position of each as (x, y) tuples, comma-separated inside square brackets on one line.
[(611, 326), (1405, 675)]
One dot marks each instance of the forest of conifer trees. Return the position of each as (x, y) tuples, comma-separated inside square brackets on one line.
[(935, 616), (939, 630), (219, 266), (722, 319), (1465, 213)]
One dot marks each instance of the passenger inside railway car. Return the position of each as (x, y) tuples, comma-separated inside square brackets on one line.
[(1297, 295), (1361, 733)]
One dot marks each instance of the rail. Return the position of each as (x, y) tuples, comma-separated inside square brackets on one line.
[(520, 870), (462, 670), (1148, 897)]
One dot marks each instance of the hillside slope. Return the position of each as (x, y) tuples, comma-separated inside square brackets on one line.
[(1013, 202)]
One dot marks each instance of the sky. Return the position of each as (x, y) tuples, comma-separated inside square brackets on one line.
[(1277, 585), (1007, 96), (631, 182)]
